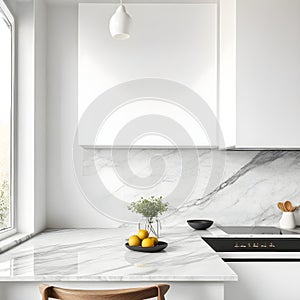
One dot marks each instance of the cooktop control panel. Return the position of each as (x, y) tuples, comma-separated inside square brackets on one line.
[(255, 245)]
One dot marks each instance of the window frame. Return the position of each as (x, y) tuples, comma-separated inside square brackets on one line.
[(4, 233)]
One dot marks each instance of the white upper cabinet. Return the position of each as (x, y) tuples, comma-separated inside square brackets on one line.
[(268, 73), (159, 87)]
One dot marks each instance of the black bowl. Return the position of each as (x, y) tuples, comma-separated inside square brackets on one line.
[(159, 247), (200, 224)]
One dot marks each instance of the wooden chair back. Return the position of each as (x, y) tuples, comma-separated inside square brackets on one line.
[(142, 293)]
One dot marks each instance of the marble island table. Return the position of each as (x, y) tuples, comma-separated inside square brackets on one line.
[(98, 259)]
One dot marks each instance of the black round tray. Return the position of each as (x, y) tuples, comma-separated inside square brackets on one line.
[(159, 247)]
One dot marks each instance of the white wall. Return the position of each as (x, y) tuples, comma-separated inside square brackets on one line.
[(66, 206), (40, 91), (25, 101)]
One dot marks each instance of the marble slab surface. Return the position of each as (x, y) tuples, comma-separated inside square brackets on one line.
[(100, 255), (229, 187)]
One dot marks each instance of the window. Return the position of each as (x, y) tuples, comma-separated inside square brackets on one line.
[(6, 121)]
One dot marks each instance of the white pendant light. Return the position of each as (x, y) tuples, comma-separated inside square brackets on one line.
[(120, 23)]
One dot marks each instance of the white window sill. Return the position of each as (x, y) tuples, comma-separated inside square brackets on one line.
[(13, 241)]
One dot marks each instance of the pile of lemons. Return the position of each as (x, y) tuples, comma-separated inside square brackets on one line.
[(142, 239)]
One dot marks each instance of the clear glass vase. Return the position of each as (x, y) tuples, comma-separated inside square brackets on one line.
[(152, 226)]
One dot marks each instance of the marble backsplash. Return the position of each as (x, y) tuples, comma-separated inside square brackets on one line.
[(230, 187)]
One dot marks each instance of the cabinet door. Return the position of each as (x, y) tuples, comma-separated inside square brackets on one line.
[(268, 73), (264, 281), (169, 42)]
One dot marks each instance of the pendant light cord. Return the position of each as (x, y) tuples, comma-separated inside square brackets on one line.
[(121, 2)]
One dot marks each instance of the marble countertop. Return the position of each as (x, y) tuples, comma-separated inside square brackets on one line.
[(100, 255)]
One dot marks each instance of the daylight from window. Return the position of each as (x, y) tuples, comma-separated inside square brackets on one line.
[(5, 122)]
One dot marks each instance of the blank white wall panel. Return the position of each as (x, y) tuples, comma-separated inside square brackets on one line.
[(177, 42)]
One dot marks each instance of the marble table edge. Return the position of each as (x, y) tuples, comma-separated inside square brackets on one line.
[(182, 278)]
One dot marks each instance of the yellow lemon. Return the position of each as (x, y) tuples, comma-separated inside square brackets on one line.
[(155, 240), (142, 234), (147, 243), (134, 241)]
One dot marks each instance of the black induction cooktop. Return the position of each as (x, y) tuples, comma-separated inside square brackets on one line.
[(254, 230)]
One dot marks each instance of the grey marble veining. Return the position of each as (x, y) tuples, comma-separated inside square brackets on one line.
[(260, 159), (230, 187), (100, 255)]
